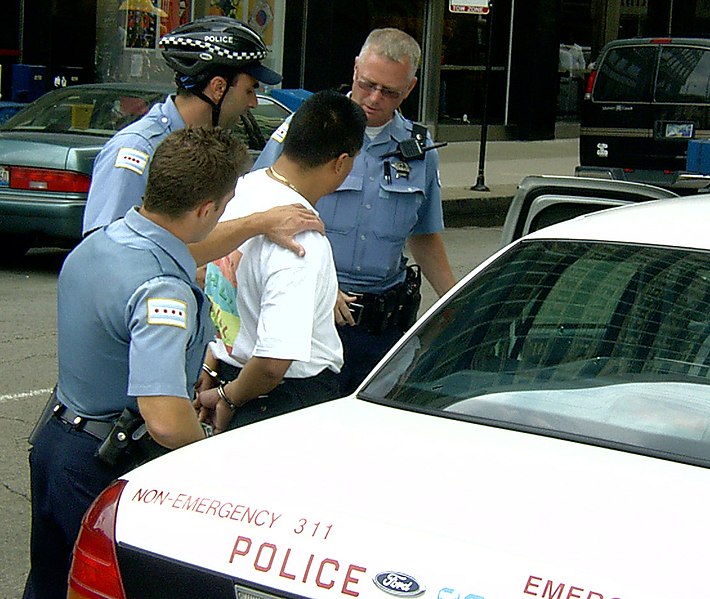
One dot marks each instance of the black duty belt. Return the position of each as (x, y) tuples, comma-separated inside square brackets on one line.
[(396, 308), (96, 428)]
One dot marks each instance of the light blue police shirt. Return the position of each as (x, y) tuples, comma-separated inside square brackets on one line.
[(368, 218), (131, 319), (120, 170)]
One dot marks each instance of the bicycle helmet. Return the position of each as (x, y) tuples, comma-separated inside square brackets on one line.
[(212, 46)]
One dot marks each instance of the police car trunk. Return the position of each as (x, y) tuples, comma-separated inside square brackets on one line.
[(355, 499)]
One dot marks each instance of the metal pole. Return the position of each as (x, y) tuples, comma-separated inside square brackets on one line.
[(304, 35), (481, 182), (21, 39), (510, 62)]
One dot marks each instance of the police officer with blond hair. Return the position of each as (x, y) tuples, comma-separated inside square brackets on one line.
[(391, 200)]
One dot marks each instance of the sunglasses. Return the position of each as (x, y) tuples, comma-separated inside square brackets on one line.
[(371, 88)]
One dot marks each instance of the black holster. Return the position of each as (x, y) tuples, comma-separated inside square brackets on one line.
[(396, 308), (411, 297), (129, 443), (44, 417)]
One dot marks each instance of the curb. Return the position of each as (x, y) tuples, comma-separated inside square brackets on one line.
[(477, 210)]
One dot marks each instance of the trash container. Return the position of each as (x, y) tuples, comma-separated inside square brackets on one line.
[(29, 82), (568, 96)]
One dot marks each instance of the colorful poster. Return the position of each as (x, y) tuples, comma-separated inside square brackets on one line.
[(140, 29), (178, 12), (227, 8), (142, 22), (261, 19)]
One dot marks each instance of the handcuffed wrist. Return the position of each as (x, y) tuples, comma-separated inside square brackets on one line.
[(209, 371), (207, 429), (225, 398)]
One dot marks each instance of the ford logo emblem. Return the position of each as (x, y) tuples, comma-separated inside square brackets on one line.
[(399, 584), (206, 56)]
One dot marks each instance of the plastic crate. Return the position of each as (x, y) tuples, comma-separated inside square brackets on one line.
[(698, 160)]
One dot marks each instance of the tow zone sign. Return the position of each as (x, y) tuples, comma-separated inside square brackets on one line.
[(478, 7)]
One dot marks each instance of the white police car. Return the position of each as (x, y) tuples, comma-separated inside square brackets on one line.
[(543, 431)]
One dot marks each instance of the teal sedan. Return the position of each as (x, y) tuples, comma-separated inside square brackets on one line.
[(47, 152)]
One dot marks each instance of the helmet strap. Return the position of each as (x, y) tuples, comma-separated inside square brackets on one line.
[(216, 106)]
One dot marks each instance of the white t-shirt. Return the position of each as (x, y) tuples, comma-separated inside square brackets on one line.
[(285, 302)]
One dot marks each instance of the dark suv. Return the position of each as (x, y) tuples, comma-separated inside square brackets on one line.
[(644, 100)]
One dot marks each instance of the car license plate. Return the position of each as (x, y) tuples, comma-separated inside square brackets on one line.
[(678, 130), (4, 176)]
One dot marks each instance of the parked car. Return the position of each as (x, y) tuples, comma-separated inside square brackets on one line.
[(542, 431), (644, 100), (47, 152), (543, 200)]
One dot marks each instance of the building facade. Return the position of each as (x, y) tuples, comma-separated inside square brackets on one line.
[(520, 68)]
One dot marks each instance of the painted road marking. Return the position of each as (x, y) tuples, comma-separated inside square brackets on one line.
[(23, 395)]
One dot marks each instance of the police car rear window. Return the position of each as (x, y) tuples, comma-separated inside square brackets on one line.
[(625, 75), (606, 340)]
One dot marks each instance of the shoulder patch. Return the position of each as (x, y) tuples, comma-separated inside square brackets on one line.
[(280, 134), (133, 160), (167, 311)]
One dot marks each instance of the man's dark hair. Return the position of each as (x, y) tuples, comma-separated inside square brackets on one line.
[(191, 166), (325, 126)]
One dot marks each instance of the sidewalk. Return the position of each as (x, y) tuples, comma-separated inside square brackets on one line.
[(506, 164)]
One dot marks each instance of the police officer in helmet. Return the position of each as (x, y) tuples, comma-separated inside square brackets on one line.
[(218, 47), (217, 64)]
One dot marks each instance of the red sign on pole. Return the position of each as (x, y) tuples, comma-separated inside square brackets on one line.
[(477, 7)]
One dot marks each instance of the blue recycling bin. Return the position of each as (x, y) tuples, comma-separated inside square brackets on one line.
[(29, 82), (698, 159), (292, 98)]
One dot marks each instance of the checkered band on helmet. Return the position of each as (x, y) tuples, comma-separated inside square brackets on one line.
[(199, 48)]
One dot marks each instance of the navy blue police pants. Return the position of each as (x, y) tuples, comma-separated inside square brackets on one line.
[(65, 478), (362, 350)]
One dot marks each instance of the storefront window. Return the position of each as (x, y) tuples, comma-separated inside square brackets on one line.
[(409, 17), (127, 36), (633, 17), (463, 68), (128, 32)]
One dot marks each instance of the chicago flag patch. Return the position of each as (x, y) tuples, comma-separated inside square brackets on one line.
[(133, 160), (167, 311)]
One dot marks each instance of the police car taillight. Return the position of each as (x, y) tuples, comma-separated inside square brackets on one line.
[(45, 179), (94, 570)]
